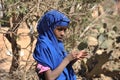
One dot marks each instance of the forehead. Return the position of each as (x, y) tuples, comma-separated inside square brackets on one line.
[(61, 27)]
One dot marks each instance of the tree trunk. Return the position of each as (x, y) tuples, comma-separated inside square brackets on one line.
[(12, 38), (15, 51)]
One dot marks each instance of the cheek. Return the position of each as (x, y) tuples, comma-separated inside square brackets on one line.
[(56, 33)]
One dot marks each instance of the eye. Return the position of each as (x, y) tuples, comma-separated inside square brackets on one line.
[(62, 28), (65, 29)]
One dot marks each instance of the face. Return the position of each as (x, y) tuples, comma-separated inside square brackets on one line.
[(60, 32)]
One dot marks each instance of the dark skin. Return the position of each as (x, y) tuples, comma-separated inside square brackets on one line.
[(72, 57), (60, 33)]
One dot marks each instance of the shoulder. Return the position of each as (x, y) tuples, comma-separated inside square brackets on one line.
[(44, 45), (41, 44)]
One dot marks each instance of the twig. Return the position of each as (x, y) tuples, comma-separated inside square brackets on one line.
[(90, 25)]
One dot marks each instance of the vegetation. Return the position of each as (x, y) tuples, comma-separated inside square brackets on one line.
[(94, 27)]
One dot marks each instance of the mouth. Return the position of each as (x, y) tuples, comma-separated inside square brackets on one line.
[(60, 39)]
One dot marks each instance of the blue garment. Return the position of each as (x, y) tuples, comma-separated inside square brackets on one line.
[(49, 51)]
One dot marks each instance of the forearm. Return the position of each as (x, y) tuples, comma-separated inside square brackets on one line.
[(52, 75), (70, 58)]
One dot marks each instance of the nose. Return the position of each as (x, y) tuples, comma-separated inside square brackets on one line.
[(62, 33)]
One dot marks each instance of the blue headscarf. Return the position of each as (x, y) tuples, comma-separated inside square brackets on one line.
[(49, 51)]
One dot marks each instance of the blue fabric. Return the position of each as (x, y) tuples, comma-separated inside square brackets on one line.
[(49, 51)]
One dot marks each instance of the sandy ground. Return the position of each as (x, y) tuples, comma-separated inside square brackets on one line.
[(5, 49)]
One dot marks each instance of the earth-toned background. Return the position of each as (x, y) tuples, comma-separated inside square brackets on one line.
[(96, 28)]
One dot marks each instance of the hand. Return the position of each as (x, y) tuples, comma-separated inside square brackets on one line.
[(74, 55), (82, 54)]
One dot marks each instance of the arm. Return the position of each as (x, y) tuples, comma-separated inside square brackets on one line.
[(52, 75)]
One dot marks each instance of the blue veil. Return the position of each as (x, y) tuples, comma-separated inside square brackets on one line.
[(49, 51)]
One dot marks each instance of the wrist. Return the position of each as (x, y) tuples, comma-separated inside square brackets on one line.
[(67, 60)]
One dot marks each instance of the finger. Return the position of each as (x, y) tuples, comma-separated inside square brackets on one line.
[(81, 54), (84, 54), (81, 58)]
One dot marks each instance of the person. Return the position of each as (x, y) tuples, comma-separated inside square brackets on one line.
[(53, 61)]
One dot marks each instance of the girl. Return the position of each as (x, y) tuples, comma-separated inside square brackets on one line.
[(54, 63)]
